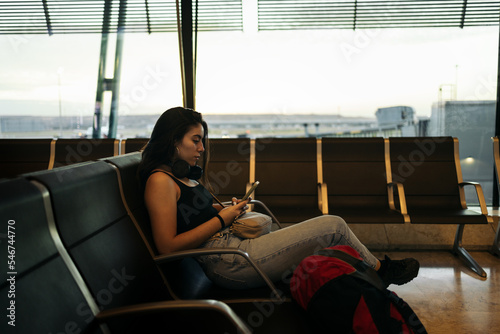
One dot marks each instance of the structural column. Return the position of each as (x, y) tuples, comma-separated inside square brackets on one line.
[(115, 87), (109, 84), (96, 131), (187, 54), (497, 127)]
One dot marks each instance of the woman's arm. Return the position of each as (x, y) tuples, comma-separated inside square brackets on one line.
[(218, 207), (161, 197)]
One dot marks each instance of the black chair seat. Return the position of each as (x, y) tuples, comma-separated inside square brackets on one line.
[(186, 279), (47, 297), (189, 281), (355, 173), (429, 169), (19, 156), (294, 209), (287, 171), (368, 215), (446, 216)]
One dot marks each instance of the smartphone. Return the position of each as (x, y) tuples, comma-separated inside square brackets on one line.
[(251, 190)]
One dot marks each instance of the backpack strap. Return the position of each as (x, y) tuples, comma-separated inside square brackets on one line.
[(363, 270), (407, 312)]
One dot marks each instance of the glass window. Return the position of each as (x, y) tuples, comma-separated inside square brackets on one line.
[(328, 82), (48, 84), (379, 82)]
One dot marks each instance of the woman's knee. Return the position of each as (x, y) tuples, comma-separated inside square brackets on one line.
[(333, 222)]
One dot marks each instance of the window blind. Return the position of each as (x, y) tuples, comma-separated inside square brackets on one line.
[(96, 16), (314, 14)]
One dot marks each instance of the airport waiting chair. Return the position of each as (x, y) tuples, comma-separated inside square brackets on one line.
[(129, 145), (429, 168), (187, 273), (287, 171), (19, 156), (71, 151), (112, 259), (132, 194), (495, 249), (229, 167), (230, 172), (44, 292), (97, 231), (46, 295), (355, 178), (186, 279)]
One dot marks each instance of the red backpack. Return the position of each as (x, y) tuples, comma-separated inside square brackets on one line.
[(342, 294)]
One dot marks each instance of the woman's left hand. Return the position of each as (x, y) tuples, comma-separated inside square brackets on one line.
[(245, 208), (230, 213)]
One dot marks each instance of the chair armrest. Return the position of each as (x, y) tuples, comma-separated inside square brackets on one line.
[(479, 193), (160, 259), (165, 306), (267, 211), (263, 206), (323, 198), (391, 186)]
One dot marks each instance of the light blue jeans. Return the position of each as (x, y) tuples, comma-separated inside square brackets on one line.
[(277, 253)]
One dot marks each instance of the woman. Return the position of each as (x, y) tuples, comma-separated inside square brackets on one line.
[(183, 215)]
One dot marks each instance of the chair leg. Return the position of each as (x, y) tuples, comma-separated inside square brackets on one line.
[(464, 255), (495, 249)]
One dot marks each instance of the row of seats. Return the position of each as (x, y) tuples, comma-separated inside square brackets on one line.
[(19, 156), (82, 255), (81, 260), (414, 180), (363, 180)]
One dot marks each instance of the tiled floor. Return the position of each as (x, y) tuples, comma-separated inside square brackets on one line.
[(450, 298)]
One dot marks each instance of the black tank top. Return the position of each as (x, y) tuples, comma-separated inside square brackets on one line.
[(194, 206)]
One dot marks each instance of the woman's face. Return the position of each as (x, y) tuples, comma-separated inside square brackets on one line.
[(191, 146)]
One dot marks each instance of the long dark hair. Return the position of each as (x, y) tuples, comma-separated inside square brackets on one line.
[(169, 129)]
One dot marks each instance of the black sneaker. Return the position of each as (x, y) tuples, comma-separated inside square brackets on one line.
[(398, 271)]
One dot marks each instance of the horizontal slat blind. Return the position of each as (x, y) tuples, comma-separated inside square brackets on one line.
[(86, 16), (314, 14)]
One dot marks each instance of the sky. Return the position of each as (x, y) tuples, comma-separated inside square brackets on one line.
[(345, 72)]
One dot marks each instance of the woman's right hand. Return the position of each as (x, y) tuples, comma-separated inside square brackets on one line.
[(230, 213)]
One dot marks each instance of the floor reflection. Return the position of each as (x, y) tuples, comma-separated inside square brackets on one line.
[(450, 298)]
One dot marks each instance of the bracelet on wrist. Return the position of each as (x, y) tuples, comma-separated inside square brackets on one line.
[(222, 223)]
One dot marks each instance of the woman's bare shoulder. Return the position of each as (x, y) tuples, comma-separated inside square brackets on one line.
[(159, 175), (160, 182)]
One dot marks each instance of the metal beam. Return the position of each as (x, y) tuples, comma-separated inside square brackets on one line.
[(355, 15), (47, 17), (464, 11), (148, 18), (115, 87), (496, 199), (187, 53), (96, 131)]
